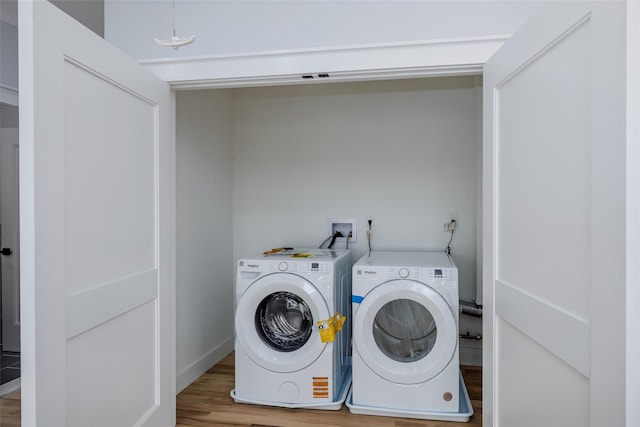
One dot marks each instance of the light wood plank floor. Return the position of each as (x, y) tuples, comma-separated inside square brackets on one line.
[(207, 403), (10, 409)]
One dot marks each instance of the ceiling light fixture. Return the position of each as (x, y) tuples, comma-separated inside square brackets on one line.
[(175, 41)]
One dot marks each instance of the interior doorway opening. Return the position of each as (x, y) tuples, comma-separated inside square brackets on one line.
[(9, 252)]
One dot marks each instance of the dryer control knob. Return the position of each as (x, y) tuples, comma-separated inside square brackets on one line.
[(404, 273), (283, 266)]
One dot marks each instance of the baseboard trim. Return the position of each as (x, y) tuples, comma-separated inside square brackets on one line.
[(7, 388), (9, 95), (471, 355), (201, 366)]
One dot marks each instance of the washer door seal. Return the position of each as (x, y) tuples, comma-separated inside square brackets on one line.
[(261, 328)]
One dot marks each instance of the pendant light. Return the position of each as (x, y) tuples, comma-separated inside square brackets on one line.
[(175, 41)]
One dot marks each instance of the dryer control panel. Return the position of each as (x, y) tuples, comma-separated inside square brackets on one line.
[(421, 273)]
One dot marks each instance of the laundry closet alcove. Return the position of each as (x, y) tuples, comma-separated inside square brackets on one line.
[(402, 141)]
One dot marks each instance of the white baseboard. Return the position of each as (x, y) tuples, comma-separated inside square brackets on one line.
[(470, 352), (193, 372), (9, 95), (9, 387)]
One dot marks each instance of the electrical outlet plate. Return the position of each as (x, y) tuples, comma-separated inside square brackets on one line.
[(345, 226), (448, 226)]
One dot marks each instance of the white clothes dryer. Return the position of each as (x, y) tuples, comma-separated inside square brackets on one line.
[(280, 357), (405, 332)]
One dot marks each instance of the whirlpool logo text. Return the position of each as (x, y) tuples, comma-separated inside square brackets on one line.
[(366, 272)]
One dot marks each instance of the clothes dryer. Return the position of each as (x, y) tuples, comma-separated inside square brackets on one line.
[(405, 332), (281, 359)]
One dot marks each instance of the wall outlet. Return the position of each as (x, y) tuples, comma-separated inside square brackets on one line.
[(453, 222), (345, 226)]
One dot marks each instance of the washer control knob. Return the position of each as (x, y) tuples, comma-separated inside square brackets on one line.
[(404, 273), (283, 266)]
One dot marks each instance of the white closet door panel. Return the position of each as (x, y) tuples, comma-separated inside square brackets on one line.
[(566, 397), (543, 192), (543, 166), (96, 173), (554, 253), (95, 357), (90, 308), (110, 179)]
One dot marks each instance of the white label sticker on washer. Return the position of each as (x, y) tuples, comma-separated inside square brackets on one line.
[(320, 387)]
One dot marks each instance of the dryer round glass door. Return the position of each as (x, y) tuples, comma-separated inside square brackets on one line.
[(405, 331), (274, 322)]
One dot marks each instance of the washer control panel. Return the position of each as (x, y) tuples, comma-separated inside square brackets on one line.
[(316, 267), (283, 266), (300, 266), (441, 273), (404, 272)]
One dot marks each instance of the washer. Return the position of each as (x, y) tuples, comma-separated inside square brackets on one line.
[(280, 357), (405, 332)]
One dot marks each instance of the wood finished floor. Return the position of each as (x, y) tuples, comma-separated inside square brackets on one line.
[(10, 409), (207, 403)]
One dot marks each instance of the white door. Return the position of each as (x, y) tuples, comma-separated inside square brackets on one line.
[(9, 239), (554, 220), (97, 231)]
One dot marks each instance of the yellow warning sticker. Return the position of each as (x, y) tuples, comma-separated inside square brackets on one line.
[(330, 327), (301, 255)]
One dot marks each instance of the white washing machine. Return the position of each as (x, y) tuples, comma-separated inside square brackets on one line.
[(281, 359), (405, 332)]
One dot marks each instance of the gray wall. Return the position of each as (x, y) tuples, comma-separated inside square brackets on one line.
[(9, 54), (90, 13), (404, 151), (204, 231), (231, 26), (8, 71), (8, 116)]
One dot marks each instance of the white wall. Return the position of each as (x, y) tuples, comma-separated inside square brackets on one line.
[(405, 151), (264, 167), (8, 63), (204, 283), (411, 218), (231, 26)]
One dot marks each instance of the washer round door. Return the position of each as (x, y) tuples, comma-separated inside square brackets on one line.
[(275, 320), (405, 331)]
